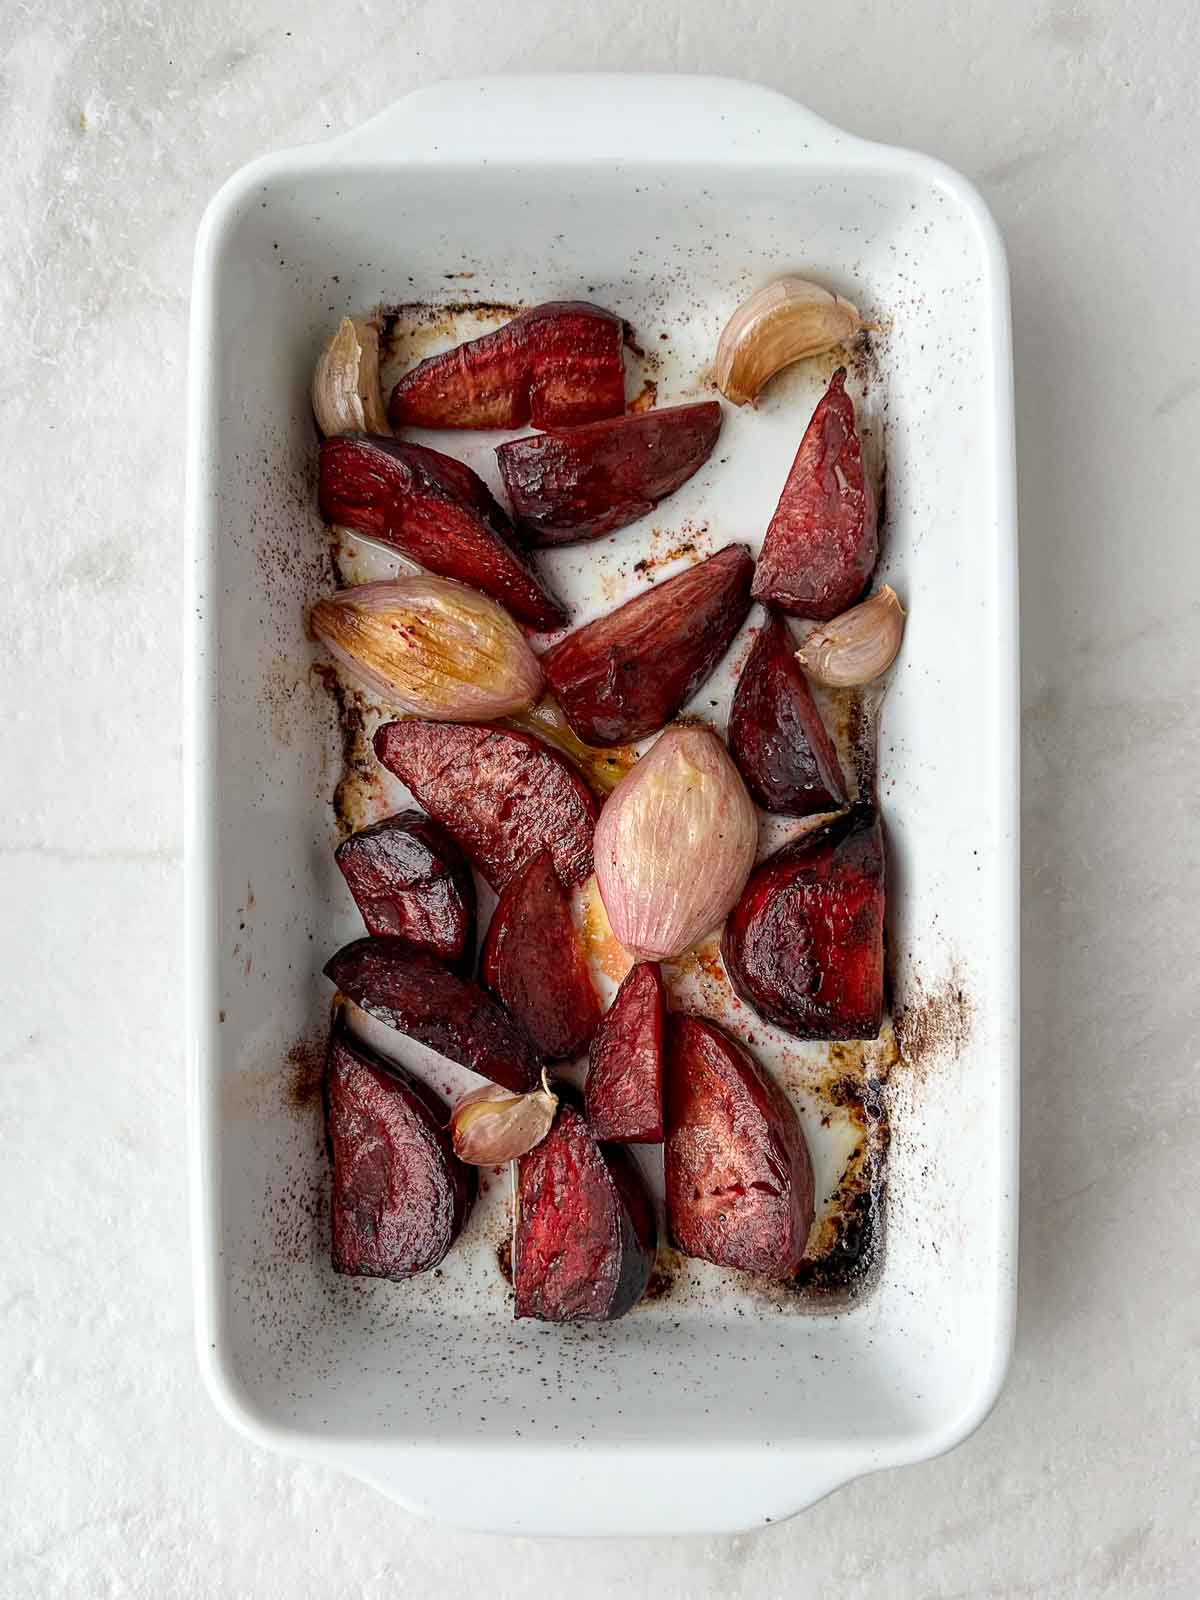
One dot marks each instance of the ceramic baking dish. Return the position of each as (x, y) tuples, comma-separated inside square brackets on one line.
[(667, 199)]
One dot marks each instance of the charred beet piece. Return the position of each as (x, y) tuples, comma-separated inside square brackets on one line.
[(410, 880), (415, 994), (624, 1091), (559, 364), (804, 944), (504, 795), (532, 961), (776, 734), (585, 1235), (400, 1194), (738, 1175), (436, 510), (821, 544), (582, 482), (623, 676)]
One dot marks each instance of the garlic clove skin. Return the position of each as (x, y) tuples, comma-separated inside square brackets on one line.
[(674, 845), (858, 646), (346, 397), (490, 1126), (432, 647), (778, 325)]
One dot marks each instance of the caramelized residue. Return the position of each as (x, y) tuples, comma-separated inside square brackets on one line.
[(504, 1259), (668, 1264), (663, 558), (604, 952), (356, 798), (645, 399)]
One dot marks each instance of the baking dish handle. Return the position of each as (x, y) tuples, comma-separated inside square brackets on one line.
[(592, 117)]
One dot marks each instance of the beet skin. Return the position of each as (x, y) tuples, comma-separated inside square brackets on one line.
[(579, 483), (400, 1194), (739, 1178), (804, 944), (557, 365), (411, 881), (625, 675), (504, 796), (821, 545), (415, 994), (585, 1235), (624, 1092), (776, 735), (532, 961), (438, 512)]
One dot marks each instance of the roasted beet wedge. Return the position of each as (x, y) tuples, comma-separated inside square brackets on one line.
[(623, 676), (582, 482), (738, 1175), (559, 364), (438, 512), (624, 1092), (504, 795), (400, 1194), (415, 994), (533, 962), (804, 944), (410, 880), (821, 544), (776, 735), (585, 1235)]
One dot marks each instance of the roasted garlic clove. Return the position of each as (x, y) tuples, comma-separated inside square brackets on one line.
[(490, 1126), (779, 324), (346, 397), (857, 646)]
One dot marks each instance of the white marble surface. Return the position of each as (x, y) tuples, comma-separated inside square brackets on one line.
[(118, 118)]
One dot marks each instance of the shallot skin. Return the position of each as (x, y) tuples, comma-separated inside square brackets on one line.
[(556, 365), (739, 1178), (437, 511), (585, 1234), (400, 1195), (822, 543), (503, 795), (804, 944), (579, 483)]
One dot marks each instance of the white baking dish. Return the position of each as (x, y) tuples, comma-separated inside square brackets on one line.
[(664, 198)]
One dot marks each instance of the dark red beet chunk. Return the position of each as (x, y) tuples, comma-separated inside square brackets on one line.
[(585, 1234), (532, 960), (625, 675), (559, 364), (415, 994), (738, 1175), (505, 796), (624, 1091), (776, 735), (821, 544), (400, 1194), (436, 510), (804, 944), (582, 482), (410, 880)]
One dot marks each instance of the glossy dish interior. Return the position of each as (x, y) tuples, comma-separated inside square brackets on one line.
[(748, 1407)]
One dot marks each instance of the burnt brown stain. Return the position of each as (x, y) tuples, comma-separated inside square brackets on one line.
[(845, 1248), (663, 558), (936, 1024), (645, 399), (668, 1264), (504, 1259), (360, 772), (409, 314), (306, 1067)]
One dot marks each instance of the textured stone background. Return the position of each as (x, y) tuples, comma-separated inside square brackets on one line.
[(118, 119)]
